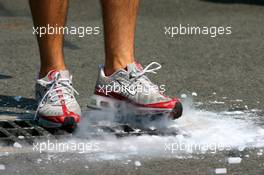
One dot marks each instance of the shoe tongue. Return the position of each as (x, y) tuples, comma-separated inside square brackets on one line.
[(63, 74), (134, 67)]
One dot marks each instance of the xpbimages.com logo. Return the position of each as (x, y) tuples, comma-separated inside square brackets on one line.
[(80, 31), (58, 146), (127, 88), (176, 147), (212, 31)]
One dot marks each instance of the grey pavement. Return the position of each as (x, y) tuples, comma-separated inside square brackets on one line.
[(232, 66)]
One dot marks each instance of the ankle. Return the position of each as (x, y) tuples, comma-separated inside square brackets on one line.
[(44, 71), (109, 70), (117, 64)]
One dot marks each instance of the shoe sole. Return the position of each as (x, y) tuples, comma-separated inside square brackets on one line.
[(177, 111), (105, 103), (68, 124)]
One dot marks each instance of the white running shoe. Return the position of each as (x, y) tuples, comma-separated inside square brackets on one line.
[(132, 87), (57, 106)]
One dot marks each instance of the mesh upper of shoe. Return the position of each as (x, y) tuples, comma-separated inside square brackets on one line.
[(54, 90), (134, 84)]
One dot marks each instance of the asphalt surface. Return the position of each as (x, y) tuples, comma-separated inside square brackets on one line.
[(225, 66)]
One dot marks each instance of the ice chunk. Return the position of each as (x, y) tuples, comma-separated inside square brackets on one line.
[(17, 98), (234, 160), (198, 103), (2, 167), (4, 154), (183, 96), (260, 153), (137, 163), (152, 128), (216, 102), (17, 145), (220, 171), (21, 137), (194, 94)]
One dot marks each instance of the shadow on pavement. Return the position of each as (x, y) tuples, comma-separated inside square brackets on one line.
[(4, 76), (4, 11), (250, 2), (18, 102), (68, 44)]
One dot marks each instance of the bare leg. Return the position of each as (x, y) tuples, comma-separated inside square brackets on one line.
[(52, 12), (119, 26)]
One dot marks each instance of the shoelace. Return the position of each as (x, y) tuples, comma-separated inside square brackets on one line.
[(147, 69), (58, 85)]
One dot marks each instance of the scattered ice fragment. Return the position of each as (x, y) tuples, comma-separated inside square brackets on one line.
[(239, 100), (194, 94), (39, 160), (152, 128), (255, 110), (234, 160), (108, 157), (137, 130), (17, 145), (260, 153), (137, 163), (86, 167), (214, 93), (224, 97), (179, 136), (246, 107), (17, 98), (220, 171), (198, 103), (233, 112), (183, 96), (2, 167), (4, 154), (21, 137), (247, 156), (216, 102)]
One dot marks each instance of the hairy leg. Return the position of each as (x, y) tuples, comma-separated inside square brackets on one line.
[(119, 18), (52, 12)]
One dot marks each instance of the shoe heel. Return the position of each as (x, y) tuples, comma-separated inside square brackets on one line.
[(177, 111)]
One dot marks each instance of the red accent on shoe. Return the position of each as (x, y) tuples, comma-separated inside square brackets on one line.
[(51, 74), (139, 66), (61, 118), (166, 105)]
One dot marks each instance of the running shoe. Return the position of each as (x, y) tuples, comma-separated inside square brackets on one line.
[(57, 106), (131, 86)]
